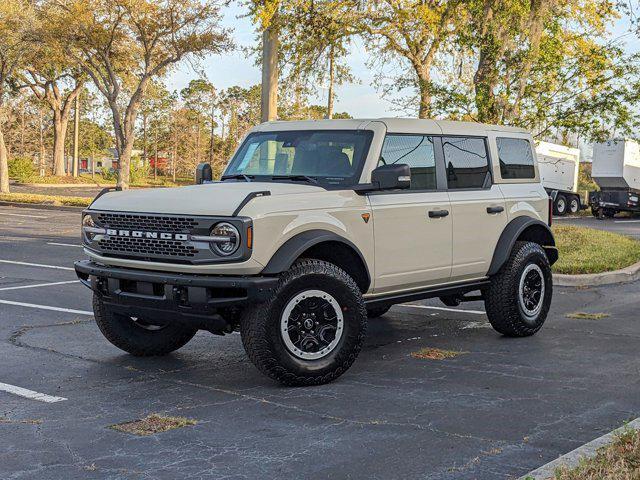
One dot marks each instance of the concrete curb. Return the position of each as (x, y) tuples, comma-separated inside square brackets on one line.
[(628, 274), (42, 206), (572, 459), (66, 185)]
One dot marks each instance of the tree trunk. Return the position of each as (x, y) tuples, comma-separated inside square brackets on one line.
[(211, 140), (198, 143), (144, 138), (155, 153), (42, 159), (331, 80), (4, 165), (484, 83), (269, 93), (59, 135), (124, 164), (424, 90), (76, 133), (22, 130)]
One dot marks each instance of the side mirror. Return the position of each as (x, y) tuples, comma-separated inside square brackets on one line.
[(204, 173), (388, 177)]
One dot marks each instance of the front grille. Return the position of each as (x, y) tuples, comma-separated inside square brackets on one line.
[(156, 223), (135, 232), (147, 247)]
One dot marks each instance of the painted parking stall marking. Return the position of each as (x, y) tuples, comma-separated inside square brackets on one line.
[(38, 285), (26, 393), (39, 265), (57, 244), (46, 307), (445, 309)]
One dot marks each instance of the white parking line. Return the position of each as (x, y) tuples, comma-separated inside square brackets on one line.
[(47, 307), (429, 307), (22, 215), (64, 244), (26, 264), (626, 221), (23, 392), (38, 285)]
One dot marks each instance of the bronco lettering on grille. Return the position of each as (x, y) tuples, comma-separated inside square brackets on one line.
[(151, 235)]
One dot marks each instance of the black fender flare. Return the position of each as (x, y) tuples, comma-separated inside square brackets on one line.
[(542, 235), (290, 250)]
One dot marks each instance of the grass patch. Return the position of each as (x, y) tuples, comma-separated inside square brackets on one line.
[(98, 179), (428, 353), (587, 316), (45, 199), (587, 250), (153, 424), (619, 460)]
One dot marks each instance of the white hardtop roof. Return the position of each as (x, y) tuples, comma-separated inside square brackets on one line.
[(393, 125), (551, 147)]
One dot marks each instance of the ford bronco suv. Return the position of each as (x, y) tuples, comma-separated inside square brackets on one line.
[(316, 226)]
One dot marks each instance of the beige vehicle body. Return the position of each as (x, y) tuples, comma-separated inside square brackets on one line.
[(318, 226), (403, 249)]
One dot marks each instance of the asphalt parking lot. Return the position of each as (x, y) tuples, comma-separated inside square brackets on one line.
[(623, 225), (498, 410)]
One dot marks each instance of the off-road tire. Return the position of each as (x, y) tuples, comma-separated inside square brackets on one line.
[(260, 326), (378, 311), (560, 206), (502, 296), (123, 332)]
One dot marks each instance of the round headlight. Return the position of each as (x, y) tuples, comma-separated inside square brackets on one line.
[(87, 228), (225, 229), (87, 221)]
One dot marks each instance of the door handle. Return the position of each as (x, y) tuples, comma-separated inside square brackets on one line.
[(495, 209), (438, 213)]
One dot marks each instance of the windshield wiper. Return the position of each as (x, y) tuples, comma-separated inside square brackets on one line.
[(304, 178), (238, 176)]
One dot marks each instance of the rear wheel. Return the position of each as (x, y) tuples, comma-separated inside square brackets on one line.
[(560, 205), (138, 336), (574, 205), (519, 297), (311, 330)]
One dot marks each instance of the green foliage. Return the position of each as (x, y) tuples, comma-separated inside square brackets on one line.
[(137, 171), (108, 174), (21, 169)]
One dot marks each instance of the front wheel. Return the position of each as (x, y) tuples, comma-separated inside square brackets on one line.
[(519, 297), (137, 336), (311, 330)]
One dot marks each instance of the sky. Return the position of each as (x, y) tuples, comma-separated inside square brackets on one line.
[(358, 99)]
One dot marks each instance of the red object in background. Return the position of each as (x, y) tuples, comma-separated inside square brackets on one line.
[(84, 164), (163, 162)]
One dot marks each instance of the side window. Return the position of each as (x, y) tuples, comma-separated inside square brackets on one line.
[(516, 158), (415, 151), (467, 162)]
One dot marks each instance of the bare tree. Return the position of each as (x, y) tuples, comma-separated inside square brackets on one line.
[(123, 44)]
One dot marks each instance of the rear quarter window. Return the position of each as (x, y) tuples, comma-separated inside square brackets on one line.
[(516, 158)]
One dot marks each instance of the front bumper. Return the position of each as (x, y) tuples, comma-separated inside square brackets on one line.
[(161, 297)]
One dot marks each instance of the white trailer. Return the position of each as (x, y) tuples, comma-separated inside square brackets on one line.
[(559, 166), (616, 170)]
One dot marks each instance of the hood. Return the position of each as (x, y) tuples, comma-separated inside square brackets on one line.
[(220, 198)]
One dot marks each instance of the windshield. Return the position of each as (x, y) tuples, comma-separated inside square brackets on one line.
[(328, 157)]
